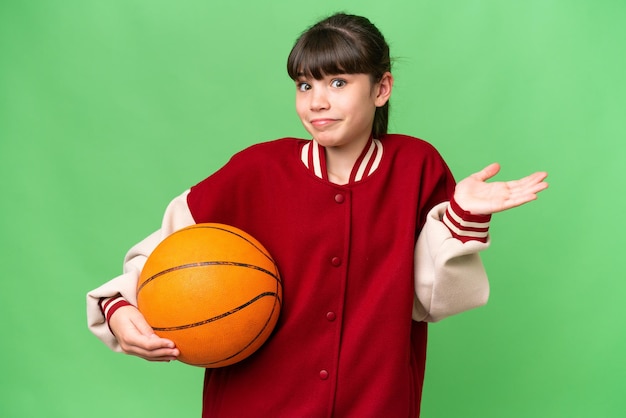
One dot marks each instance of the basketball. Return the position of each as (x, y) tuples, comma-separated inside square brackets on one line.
[(213, 290)]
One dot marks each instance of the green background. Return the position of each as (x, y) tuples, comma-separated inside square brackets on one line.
[(108, 109)]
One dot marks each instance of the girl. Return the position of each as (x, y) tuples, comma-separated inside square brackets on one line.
[(371, 235)]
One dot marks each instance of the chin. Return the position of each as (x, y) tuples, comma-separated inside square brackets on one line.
[(328, 142)]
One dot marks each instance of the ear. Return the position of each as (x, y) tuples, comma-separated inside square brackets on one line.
[(383, 89)]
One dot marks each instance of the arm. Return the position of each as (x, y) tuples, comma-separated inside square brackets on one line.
[(449, 275), (111, 312)]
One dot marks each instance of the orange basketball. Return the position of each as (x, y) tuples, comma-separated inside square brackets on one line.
[(212, 289)]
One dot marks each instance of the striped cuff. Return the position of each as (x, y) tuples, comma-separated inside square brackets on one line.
[(112, 304), (465, 226)]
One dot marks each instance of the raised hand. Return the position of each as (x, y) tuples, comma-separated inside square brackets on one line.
[(136, 337), (476, 196)]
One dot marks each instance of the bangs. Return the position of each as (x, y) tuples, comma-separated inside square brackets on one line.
[(326, 51)]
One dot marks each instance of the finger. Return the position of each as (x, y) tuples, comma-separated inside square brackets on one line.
[(149, 343), (151, 348), (529, 182), (527, 194), (487, 172), (159, 355), (541, 175), (534, 178), (155, 342), (536, 188), (156, 355)]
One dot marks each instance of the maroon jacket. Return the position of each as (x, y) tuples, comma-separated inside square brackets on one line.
[(345, 344)]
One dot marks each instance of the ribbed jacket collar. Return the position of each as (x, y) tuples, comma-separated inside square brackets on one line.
[(313, 157)]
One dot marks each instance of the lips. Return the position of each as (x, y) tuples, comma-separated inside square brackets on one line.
[(321, 122)]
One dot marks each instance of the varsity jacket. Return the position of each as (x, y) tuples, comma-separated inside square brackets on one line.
[(364, 266)]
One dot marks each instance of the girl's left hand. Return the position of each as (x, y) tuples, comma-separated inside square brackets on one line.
[(478, 197)]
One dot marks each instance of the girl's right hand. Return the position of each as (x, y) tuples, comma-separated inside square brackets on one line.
[(137, 338)]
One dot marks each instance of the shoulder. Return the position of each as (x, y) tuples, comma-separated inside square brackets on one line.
[(269, 150), (408, 143), (419, 163), (241, 176), (411, 149), (255, 160)]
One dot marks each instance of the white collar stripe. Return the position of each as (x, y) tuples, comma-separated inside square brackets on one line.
[(317, 164), (314, 158), (304, 155), (377, 158), (365, 162)]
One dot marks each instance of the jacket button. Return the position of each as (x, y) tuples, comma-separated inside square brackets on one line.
[(339, 198), (336, 261), (323, 374), (331, 316)]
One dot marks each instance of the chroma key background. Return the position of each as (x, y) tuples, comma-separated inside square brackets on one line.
[(109, 109)]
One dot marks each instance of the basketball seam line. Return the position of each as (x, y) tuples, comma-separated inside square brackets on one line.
[(269, 318), (218, 317), (207, 263), (209, 226)]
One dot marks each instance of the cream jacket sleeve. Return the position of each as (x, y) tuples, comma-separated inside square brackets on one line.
[(176, 216), (449, 274)]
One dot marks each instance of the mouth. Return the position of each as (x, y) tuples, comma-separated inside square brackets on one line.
[(321, 122)]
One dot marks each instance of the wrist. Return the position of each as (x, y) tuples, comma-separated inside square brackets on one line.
[(110, 305), (467, 215), (465, 225)]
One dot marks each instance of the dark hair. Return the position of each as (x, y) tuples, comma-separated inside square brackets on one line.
[(343, 44)]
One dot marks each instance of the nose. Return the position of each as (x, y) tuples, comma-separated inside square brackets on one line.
[(319, 99)]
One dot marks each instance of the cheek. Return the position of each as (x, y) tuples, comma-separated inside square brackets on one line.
[(366, 109), (300, 108)]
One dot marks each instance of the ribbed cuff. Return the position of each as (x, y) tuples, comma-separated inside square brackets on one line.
[(464, 225), (110, 305)]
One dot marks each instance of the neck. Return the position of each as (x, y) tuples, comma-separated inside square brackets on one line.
[(340, 160)]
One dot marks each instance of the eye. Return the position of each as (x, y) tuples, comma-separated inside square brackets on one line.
[(338, 83), (302, 86)]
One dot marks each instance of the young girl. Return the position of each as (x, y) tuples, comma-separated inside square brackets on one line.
[(371, 236)]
